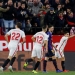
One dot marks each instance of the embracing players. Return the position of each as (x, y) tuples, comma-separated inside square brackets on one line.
[(40, 39), (59, 51), (16, 35), (50, 53)]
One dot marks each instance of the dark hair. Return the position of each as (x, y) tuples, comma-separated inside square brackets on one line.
[(50, 26), (22, 3), (1, 1), (65, 32), (44, 27), (19, 24)]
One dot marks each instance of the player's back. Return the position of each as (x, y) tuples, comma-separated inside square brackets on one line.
[(40, 37), (16, 35), (62, 43)]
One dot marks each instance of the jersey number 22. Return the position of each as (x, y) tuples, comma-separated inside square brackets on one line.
[(15, 36)]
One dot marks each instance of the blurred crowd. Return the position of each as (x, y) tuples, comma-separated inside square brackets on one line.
[(35, 13)]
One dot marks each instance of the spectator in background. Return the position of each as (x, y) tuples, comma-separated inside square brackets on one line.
[(72, 31), (70, 20), (30, 3), (55, 3), (1, 13), (9, 16), (28, 27), (25, 2), (35, 7), (41, 16), (22, 14), (17, 4), (46, 2), (60, 23), (68, 10), (50, 17), (47, 7), (58, 9), (67, 3)]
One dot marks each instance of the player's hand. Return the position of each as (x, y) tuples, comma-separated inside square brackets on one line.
[(46, 51), (22, 43), (53, 51)]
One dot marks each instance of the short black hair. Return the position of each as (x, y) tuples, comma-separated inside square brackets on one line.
[(50, 26), (22, 3), (1, 1), (44, 27), (19, 24), (65, 32)]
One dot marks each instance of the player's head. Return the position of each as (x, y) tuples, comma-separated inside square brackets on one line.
[(18, 25), (51, 28), (44, 28), (66, 33)]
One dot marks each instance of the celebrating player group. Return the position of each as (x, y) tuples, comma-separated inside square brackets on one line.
[(42, 39)]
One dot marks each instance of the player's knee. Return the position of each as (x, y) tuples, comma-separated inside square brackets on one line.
[(53, 57), (46, 58), (10, 57), (33, 58), (38, 59), (63, 59), (15, 55)]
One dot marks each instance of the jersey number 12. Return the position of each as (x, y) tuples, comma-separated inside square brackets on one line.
[(39, 39)]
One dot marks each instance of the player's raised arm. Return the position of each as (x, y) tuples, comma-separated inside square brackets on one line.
[(71, 36), (66, 34)]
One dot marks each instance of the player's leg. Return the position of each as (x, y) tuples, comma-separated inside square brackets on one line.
[(33, 56), (63, 62), (13, 59), (45, 62), (5, 63), (36, 65), (11, 53), (62, 57), (28, 61), (12, 62), (38, 55), (54, 61)]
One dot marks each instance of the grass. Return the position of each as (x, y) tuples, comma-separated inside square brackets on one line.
[(39, 73)]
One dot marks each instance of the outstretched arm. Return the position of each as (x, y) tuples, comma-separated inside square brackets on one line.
[(71, 36)]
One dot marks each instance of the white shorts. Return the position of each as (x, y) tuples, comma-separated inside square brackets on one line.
[(59, 54), (12, 50), (37, 52)]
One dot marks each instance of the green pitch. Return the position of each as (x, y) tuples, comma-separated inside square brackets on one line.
[(39, 73)]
